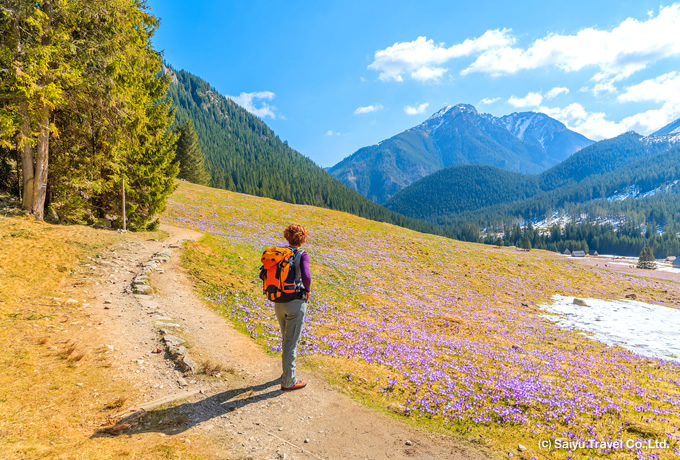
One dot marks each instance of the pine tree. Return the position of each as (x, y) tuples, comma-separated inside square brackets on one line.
[(189, 155), (526, 243), (85, 80), (39, 68), (646, 260)]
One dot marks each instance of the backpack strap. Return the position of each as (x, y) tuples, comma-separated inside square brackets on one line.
[(298, 270)]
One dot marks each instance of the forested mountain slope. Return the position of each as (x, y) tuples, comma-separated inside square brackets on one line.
[(243, 155), (487, 195)]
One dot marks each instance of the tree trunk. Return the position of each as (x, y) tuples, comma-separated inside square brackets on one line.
[(27, 167), (40, 181), (18, 171)]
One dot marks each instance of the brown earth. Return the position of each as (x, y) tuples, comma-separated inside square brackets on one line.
[(239, 410)]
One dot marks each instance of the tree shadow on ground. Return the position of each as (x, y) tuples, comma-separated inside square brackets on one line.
[(177, 419)]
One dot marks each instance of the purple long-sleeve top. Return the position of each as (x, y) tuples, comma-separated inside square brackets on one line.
[(304, 271)]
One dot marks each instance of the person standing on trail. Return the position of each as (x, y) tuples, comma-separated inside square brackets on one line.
[(287, 282)]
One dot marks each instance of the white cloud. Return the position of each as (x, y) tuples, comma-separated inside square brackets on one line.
[(653, 119), (427, 73), (596, 126), (530, 100), (553, 93), (247, 101), (422, 59), (593, 125), (416, 110), (332, 133), (664, 88), (535, 98), (617, 53), (368, 109), (489, 100)]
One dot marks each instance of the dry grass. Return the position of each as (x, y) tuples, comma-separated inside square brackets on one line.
[(53, 397), (116, 403), (213, 368)]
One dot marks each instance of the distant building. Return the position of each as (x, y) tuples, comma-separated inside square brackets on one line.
[(670, 259), (578, 254), (594, 253), (676, 262), (567, 252)]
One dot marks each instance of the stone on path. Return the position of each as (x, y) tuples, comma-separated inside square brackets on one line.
[(172, 340), (143, 289), (177, 351), (187, 364)]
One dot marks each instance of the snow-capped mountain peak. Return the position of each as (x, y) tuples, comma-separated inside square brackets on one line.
[(670, 128)]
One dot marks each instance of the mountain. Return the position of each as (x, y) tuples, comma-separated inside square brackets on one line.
[(670, 128), (458, 135), (243, 155), (457, 189), (551, 135), (485, 194)]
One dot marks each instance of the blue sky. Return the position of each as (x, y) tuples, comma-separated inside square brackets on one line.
[(331, 77)]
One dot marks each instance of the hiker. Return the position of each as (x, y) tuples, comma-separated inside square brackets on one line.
[(289, 287)]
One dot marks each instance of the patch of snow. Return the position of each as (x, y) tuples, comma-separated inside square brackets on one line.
[(633, 191), (523, 127), (669, 269), (434, 129), (672, 138), (442, 112), (643, 328)]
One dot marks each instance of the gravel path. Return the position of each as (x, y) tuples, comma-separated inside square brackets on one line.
[(239, 407)]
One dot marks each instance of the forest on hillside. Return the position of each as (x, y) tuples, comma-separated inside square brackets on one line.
[(624, 182), (84, 110), (243, 155), (628, 239)]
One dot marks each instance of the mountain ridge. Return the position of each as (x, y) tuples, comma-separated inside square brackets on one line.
[(671, 128), (460, 193), (525, 142)]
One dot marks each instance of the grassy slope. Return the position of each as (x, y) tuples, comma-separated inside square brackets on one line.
[(443, 332), (53, 400)]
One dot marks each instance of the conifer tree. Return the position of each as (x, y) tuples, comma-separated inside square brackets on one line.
[(646, 259), (526, 243), (189, 155), (85, 80), (39, 68)]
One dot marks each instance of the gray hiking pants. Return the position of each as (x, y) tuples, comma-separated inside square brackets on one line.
[(291, 316)]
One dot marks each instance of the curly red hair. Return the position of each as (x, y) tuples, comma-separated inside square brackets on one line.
[(296, 234)]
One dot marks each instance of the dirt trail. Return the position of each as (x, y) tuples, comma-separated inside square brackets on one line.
[(241, 411)]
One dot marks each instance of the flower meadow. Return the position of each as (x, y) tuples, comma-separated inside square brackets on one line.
[(447, 334)]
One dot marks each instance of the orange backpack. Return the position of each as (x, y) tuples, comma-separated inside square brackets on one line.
[(281, 274)]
